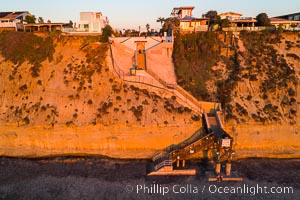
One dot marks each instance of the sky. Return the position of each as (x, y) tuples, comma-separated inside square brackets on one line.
[(130, 14)]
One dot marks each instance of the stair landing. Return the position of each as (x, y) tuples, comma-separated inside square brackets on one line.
[(166, 172)]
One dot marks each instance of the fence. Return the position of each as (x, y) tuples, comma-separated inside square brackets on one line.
[(142, 80), (254, 28), (165, 163), (8, 24)]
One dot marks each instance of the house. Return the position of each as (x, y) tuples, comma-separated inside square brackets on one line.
[(289, 21), (188, 23), (12, 20), (285, 23), (45, 27), (294, 16), (238, 20), (92, 22)]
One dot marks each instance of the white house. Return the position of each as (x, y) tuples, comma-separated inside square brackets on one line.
[(92, 22), (12, 20)]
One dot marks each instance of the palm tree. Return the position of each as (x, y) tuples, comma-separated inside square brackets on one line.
[(40, 20), (161, 20), (147, 27)]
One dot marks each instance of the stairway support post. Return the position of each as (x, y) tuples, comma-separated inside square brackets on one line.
[(228, 169), (218, 168)]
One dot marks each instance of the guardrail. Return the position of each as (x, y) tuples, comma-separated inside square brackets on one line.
[(196, 143), (219, 119), (159, 155), (190, 97), (8, 24), (116, 68), (201, 143), (157, 44), (254, 28), (206, 120), (125, 40), (142, 80), (165, 163)]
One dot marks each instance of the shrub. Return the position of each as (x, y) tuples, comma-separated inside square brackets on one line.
[(249, 97), (292, 55), (138, 112), (43, 108), (26, 120), (118, 98), (106, 33), (134, 88), (23, 87), (291, 92), (145, 102), (105, 106), (35, 70), (11, 77), (69, 123), (75, 115)]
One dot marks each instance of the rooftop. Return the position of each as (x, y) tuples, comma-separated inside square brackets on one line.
[(298, 13), (283, 20), (11, 15), (230, 13)]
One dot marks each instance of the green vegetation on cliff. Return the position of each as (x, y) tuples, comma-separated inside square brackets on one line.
[(269, 70), (19, 47), (193, 56), (52, 79), (253, 74)]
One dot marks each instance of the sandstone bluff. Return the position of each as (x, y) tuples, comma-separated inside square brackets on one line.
[(59, 95)]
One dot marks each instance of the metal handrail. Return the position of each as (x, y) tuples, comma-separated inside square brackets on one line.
[(165, 163), (158, 156)]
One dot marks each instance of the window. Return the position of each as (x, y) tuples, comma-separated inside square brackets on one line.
[(98, 16), (297, 17), (85, 26)]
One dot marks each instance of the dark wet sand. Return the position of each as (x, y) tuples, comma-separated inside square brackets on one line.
[(104, 178)]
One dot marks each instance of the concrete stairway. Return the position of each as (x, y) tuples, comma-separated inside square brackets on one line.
[(123, 51)]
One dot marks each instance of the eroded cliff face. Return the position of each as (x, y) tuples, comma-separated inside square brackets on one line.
[(255, 75), (265, 101), (59, 96)]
